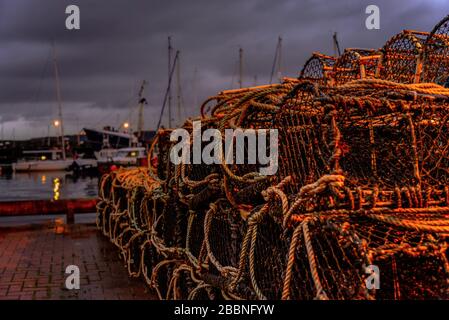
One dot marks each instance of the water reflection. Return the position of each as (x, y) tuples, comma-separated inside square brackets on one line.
[(46, 185), (56, 185)]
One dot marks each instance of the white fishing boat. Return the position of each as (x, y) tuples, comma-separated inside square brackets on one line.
[(124, 156), (42, 160), (48, 160), (107, 159), (129, 156), (106, 154)]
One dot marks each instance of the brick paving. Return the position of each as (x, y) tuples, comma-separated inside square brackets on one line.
[(33, 259)]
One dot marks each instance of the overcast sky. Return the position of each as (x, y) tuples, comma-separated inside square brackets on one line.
[(121, 43)]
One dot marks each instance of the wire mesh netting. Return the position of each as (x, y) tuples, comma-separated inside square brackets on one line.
[(318, 68), (436, 50), (355, 64), (402, 57)]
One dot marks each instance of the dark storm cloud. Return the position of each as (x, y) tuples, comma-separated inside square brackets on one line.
[(123, 42)]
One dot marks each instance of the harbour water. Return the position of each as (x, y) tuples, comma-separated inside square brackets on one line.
[(46, 186)]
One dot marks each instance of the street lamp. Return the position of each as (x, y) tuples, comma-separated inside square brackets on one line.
[(56, 123)]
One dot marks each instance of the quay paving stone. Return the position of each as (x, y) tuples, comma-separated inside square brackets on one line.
[(33, 259)]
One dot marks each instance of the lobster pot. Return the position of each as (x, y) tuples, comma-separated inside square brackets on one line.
[(402, 57), (323, 264), (164, 168), (331, 256), (305, 147), (373, 138), (390, 151), (436, 54), (110, 219), (248, 114), (104, 205), (264, 253), (224, 229), (355, 64), (395, 144), (193, 173), (318, 68), (410, 267)]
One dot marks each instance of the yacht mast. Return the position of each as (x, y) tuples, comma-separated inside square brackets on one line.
[(58, 96), (178, 88), (337, 51), (280, 59), (142, 102), (195, 96), (240, 68), (170, 49), (277, 61)]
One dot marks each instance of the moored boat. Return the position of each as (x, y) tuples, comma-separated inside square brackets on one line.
[(48, 160)]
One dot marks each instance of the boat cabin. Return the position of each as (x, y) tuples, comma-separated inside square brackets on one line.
[(41, 155)]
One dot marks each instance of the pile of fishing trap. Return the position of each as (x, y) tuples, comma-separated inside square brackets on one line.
[(362, 186)]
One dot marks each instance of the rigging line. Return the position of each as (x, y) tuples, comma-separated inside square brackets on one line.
[(234, 74), (131, 108), (178, 89), (240, 67), (44, 69), (35, 98), (194, 87), (138, 107), (127, 105), (280, 59), (170, 49), (167, 91), (183, 106), (121, 106), (274, 62)]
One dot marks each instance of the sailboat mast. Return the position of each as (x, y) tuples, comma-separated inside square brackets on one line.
[(240, 67), (277, 61), (195, 95), (178, 86), (142, 102), (280, 59), (169, 86), (58, 96), (337, 51)]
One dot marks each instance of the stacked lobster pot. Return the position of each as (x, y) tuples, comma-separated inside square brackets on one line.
[(359, 200)]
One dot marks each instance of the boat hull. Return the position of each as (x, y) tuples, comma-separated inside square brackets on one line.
[(50, 165)]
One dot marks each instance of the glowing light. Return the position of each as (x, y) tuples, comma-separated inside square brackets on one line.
[(43, 158), (126, 125), (56, 123), (59, 226), (44, 179), (133, 154), (56, 187)]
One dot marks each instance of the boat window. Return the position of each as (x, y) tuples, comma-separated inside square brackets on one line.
[(128, 154)]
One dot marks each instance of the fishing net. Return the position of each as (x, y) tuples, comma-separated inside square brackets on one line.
[(358, 208)]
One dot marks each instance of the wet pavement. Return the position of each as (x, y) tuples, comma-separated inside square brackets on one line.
[(34, 255)]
